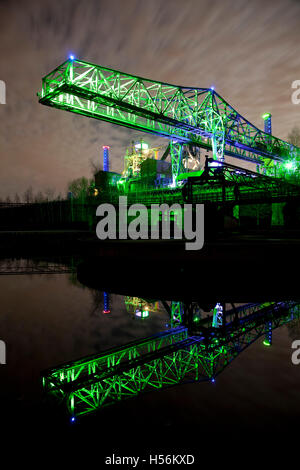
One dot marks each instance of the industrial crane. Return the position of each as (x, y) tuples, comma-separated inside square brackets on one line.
[(184, 115)]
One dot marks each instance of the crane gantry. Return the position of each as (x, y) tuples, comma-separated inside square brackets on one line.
[(185, 115)]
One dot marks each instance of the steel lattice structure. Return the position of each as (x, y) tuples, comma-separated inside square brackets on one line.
[(173, 357), (229, 177), (198, 116)]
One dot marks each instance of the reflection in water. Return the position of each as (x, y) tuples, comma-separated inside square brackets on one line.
[(140, 308), (196, 348), (106, 307), (294, 329), (48, 319), (27, 266), (53, 319)]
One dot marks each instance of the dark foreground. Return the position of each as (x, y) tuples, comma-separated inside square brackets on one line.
[(247, 416)]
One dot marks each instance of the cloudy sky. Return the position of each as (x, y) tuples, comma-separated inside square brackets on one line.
[(249, 50)]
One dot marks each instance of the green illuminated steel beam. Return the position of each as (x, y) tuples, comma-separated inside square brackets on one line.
[(165, 360), (87, 366), (183, 114), (176, 313)]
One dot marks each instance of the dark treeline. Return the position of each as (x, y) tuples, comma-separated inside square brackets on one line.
[(30, 197), (78, 188)]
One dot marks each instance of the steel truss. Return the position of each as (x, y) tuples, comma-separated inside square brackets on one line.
[(65, 375), (171, 358), (199, 116), (251, 185), (176, 313), (176, 158)]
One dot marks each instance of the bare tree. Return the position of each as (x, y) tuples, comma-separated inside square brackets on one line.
[(28, 195), (39, 197), (95, 166), (49, 192), (17, 198), (294, 329), (79, 187)]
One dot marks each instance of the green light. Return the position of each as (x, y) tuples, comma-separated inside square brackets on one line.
[(141, 145), (289, 166), (182, 115), (190, 174), (152, 363)]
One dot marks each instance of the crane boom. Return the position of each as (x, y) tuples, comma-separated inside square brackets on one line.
[(199, 116)]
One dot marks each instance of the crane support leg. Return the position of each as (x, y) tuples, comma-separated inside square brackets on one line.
[(176, 158), (218, 146)]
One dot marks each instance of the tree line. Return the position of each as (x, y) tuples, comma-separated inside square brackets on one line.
[(82, 187), (30, 197), (78, 188)]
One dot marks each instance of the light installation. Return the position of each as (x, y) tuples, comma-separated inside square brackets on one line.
[(268, 123), (217, 316), (176, 356), (185, 115), (106, 306), (105, 158)]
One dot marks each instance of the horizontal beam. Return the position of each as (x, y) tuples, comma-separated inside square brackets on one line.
[(193, 358), (189, 115)]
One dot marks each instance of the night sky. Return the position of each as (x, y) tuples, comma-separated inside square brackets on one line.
[(249, 50)]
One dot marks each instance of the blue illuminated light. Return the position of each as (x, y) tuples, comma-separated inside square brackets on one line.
[(71, 57), (106, 308), (105, 157)]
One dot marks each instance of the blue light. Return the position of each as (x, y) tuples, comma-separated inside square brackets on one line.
[(72, 419), (212, 88), (213, 381), (215, 164), (71, 57)]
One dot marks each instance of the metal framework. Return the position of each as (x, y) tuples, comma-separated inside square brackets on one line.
[(140, 307), (198, 116), (176, 356), (228, 179), (176, 313)]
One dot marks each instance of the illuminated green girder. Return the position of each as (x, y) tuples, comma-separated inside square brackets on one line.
[(176, 313), (167, 359), (87, 367), (185, 115)]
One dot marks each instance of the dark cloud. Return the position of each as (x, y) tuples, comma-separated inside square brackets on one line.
[(248, 50)]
